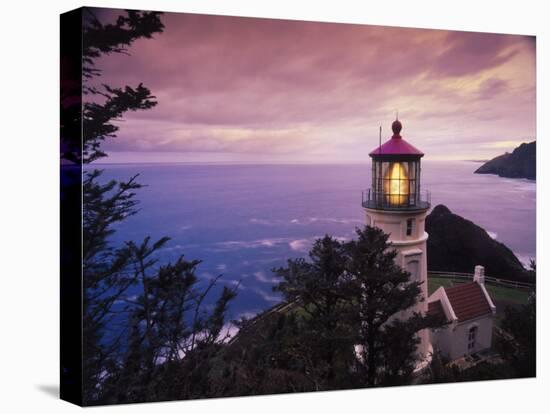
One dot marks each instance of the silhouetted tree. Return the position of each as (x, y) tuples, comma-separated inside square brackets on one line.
[(147, 333), (382, 289), (104, 103), (519, 349), (354, 311), (319, 288), (104, 272), (268, 356), (131, 340)]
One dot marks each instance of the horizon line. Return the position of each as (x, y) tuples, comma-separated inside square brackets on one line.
[(267, 162)]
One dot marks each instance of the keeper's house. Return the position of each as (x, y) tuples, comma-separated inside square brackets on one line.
[(469, 310)]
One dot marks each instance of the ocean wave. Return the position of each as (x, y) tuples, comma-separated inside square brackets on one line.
[(297, 245), (248, 314), (228, 331), (265, 222), (266, 296), (233, 282), (206, 275), (178, 247), (263, 278), (300, 245), (338, 220), (249, 244), (525, 259)]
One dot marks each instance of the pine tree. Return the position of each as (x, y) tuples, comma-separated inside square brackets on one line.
[(130, 341), (104, 272), (104, 268), (519, 347), (348, 297), (381, 302), (318, 288)]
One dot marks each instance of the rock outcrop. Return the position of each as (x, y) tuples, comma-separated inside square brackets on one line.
[(521, 163), (458, 245)]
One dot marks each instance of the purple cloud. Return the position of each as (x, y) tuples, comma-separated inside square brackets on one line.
[(320, 90)]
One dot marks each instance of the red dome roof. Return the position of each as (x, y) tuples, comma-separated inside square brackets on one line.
[(396, 145)]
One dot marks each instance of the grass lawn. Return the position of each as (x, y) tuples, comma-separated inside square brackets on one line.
[(498, 293)]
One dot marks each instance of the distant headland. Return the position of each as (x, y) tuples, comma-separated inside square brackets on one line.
[(521, 163)]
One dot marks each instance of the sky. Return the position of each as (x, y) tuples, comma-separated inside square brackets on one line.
[(246, 90)]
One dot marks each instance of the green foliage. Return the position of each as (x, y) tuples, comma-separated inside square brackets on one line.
[(320, 289), (382, 289), (98, 117), (105, 104), (268, 356), (130, 339), (134, 344), (497, 293), (518, 345), (346, 295), (515, 342), (100, 38), (441, 371), (103, 271), (148, 335)]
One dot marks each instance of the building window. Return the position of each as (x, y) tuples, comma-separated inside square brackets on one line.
[(472, 333), (413, 267), (410, 226)]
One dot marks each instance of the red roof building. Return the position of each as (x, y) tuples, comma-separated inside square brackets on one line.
[(436, 309), (469, 311), (468, 301)]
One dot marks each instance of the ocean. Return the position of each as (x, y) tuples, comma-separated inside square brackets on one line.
[(244, 220)]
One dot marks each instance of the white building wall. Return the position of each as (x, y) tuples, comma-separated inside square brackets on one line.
[(394, 223), (452, 341), (411, 255)]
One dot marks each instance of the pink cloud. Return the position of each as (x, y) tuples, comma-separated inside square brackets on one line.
[(243, 85)]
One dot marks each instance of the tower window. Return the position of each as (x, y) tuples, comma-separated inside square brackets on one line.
[(472, 333), (410, 226), (413, 267)]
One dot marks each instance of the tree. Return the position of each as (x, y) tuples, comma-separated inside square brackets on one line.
[(104, 268), (319, 288), (103, 104), (131, 341), (348, 297), (519, 344), (380, 291), (148, 335), (104, 272), (268, 356)]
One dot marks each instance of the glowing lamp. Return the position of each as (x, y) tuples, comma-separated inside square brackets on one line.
[(396, 184)]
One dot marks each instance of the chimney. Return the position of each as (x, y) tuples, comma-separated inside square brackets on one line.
[(479, 274)]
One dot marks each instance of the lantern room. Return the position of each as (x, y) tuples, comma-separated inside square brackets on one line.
[(396, 176)]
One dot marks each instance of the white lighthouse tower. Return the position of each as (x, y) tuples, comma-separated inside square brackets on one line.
[(395, 204)]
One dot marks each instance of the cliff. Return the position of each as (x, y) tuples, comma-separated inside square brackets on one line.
[(457, 245), (521, 163)]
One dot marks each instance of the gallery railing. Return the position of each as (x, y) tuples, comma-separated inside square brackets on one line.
[(389, 201)]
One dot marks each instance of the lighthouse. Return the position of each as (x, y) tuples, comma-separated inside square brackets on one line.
[(396, 204)]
